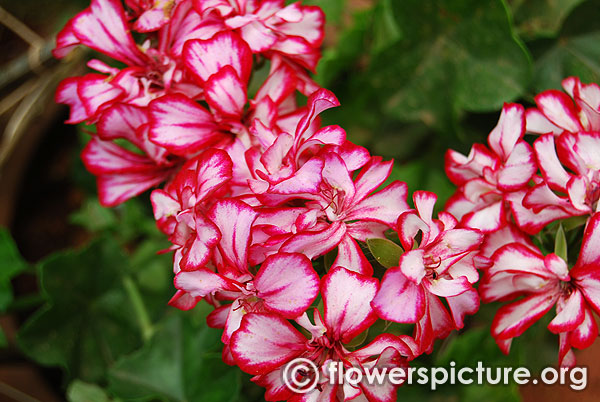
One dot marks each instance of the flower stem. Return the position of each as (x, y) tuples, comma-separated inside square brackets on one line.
[(140, 309)]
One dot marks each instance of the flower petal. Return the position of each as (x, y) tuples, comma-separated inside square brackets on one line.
[(181, 125), (513, 319), (559, 109), (570, 313), (234, 219), (287, 283), (264, 342), (206, 57), (347, 297), (399, 299)]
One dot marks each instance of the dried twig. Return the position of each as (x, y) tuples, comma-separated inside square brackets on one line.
[(35, 41)]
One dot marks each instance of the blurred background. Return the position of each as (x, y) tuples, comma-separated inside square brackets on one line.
[(414, 78)]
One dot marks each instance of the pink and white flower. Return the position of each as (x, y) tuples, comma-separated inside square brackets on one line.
[(271, 27), (486, 176), (439, 266), (181, 209), (556, 112), (544, 282), (570, 168), (265, 343)]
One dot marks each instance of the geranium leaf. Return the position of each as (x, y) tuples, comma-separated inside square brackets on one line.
[(182, 362), (385, 251), (541, 18), (87, 322), (574, 52), (453, 57)]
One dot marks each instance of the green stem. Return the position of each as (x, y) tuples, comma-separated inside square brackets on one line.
[(26, 302), (140, 309)]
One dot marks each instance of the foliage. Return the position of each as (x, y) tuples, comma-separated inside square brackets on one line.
[(413, 78)]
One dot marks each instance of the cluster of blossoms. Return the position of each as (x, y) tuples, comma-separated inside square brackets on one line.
[(255, 193), (512, 190)]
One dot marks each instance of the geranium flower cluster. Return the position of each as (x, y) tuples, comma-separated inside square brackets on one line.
[(512, 190), (268, 212)]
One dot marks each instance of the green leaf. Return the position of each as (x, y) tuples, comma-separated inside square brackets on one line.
[(541, 18), (333, 9), (469, 347), (385, 28), (425, 174), (560, 244), (182, 362), (152, 275), (574, 53), (80, 391), (574, 222), (350, 46), (94, 217), (490, 393), (453, 56), (11, 264), (88, 321), (126, 222), (385, 251)]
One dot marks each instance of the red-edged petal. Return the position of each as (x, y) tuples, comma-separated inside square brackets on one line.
[(586, 333), (206, 57), (114, 189), (316, 243), (399, 299), (226, 93), (539, 124), (200, 250), (448, 287), (307, 22), (305, 181), (181, 125), (218, 317), (287, 283), (487, 219), (163, 205), (570, 313), (552, 170), (463, 304), (404, 344), (529, 221), (590, 249), (513, 319), (372, 175), (347, 297), (103, 27), (518, 168), (259, 37), (66, 93), (97, 93), (122, 121), (566, 357), (318, 102), (517, 258), (384, 206), (183, 300), (264, 342), (101, 157), (559, 109), (412, 265), (234, 219), (510, 128), (214, 169), (202, 282), (350, 256)]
